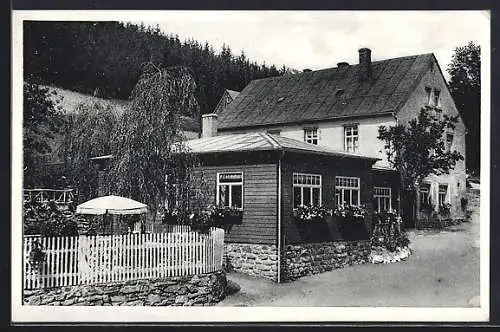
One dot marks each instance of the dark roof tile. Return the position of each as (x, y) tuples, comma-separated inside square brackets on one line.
[(315, 95)]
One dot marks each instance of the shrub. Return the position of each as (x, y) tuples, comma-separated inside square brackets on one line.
[(445, 209), (463, 203), (387, 231), (48, 219), (37, 256)]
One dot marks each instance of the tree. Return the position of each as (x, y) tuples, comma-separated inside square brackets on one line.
[(88, 133), (418, 150), (42, 119), (465, 88), (83, 56), (145, 164)]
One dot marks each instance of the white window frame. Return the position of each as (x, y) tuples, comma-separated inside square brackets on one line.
[(349, 187), (305, 186), (311, 135), (446, 196), (379, 196), (230, 184), (353, 147), (428, 91), (427, 191), (436, 96), (448, 143)]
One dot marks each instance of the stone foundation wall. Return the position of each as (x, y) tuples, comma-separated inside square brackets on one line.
[(197, 290), (312, 258), (252, 259)]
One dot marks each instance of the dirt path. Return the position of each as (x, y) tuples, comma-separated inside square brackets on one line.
[(443, 271)]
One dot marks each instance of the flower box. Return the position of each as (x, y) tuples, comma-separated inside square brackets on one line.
[(351, 222), (227, 216), (311, 223)]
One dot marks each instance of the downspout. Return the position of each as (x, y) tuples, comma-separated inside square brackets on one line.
[(279, 218), (399, 191)]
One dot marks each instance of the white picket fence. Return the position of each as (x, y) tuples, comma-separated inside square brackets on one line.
[(165, 228), (87, 260)]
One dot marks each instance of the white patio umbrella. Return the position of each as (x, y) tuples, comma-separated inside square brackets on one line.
[(111, 205)]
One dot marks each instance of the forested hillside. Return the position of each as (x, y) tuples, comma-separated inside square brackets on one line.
[(105, 59)]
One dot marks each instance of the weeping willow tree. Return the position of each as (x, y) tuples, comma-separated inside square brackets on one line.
[(150, 162), (88, 133)]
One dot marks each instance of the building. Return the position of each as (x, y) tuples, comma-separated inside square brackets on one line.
[(227, 97), (266, 176), (342, 108)]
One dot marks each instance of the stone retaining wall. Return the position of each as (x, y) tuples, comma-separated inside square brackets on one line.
[(312, 258), (252, 259), (197, 290)]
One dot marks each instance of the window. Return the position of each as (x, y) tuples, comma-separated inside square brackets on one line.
[(306, 189), (311, 135), (346, 190), (428, 91), (230, 189), (425, 198), (351, 138), (382, 198), (436, 97), (449, 141), (443, 191)]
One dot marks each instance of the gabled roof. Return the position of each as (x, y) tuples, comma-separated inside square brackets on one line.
[(223, 101), (233, 93), (262, 142), (326, 94)]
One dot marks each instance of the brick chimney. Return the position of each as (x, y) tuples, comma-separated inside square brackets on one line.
[(208, 125), (365, 63)]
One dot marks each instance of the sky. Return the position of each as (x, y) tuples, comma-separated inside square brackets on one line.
[(321, 39)]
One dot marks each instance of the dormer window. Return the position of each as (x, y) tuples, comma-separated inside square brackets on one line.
[(311, 135)]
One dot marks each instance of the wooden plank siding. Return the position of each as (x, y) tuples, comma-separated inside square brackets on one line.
[(328, 168), (259, 222)]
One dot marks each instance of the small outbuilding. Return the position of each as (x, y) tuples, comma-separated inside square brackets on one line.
[(266, 176)]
